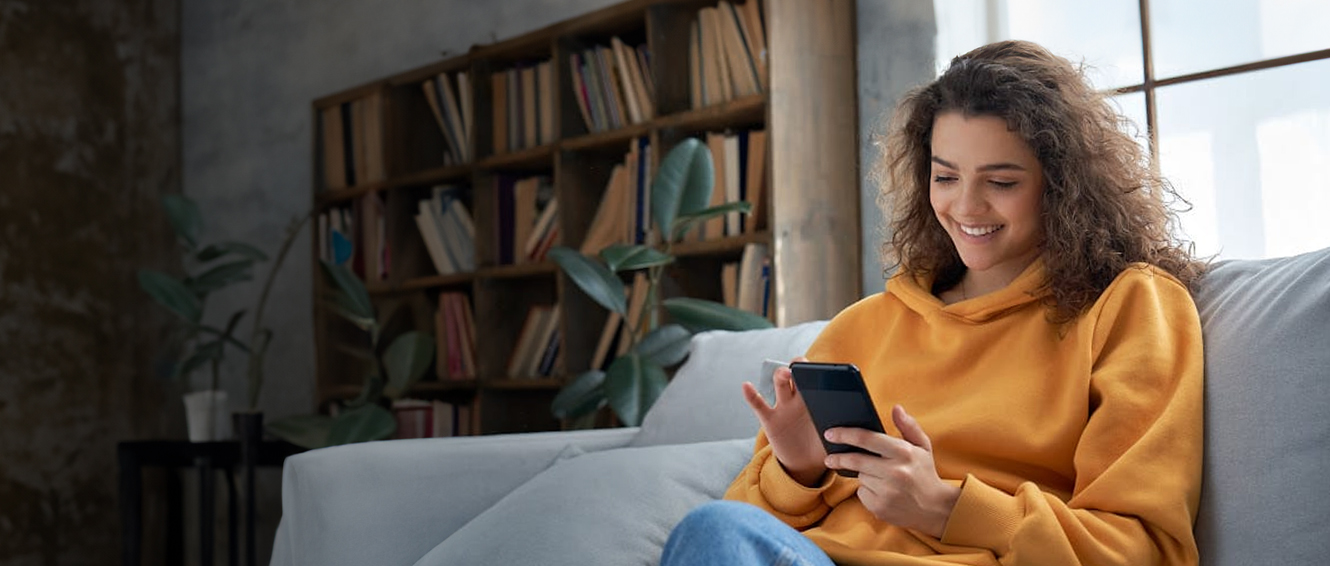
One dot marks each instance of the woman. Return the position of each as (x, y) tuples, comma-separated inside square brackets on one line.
[(1038, 349)]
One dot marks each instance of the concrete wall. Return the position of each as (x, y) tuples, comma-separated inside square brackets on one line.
[(896, 53), (89, 141)]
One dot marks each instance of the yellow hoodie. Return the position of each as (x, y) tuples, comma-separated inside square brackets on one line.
[(1078, 444)]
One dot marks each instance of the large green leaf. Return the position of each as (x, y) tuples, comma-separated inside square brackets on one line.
[(700, 315), (350, 295), (214, 251), (185, 218), (683, 183), (584, 395), (172, 294), (597, 281), (406, 360), (632, 385), (369, 422), (305, 431), (665, 346), (623, 257), (686, 221), (220, 276)]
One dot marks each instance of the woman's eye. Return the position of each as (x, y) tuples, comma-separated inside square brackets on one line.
[(943, 179), (1004, 184)]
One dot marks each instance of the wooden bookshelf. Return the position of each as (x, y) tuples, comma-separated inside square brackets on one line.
[(810, 225)]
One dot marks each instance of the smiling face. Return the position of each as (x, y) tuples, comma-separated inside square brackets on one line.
[(987, 188)]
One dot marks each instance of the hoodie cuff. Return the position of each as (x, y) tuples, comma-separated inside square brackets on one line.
[(786, 495), (984, 517)]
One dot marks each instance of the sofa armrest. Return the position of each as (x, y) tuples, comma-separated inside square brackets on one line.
[(391, 502)]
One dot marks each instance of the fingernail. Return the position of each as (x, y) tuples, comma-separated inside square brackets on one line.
[(829, 435)]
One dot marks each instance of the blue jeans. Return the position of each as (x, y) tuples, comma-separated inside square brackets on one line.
[(738, 534)]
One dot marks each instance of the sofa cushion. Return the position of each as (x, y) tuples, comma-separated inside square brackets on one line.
[(708, 385), (615, 507), (1266, 326)]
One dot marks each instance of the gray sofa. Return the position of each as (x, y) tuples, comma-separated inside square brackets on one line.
[(612, 496)]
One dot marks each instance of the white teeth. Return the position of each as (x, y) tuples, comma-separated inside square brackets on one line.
[(980, 230)]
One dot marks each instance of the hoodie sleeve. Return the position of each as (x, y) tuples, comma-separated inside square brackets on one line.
[(1138, 462)]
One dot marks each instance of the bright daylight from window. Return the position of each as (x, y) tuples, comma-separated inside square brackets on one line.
[(1250, 151)]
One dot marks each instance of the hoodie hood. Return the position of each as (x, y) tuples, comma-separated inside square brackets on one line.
[(1023, 292)]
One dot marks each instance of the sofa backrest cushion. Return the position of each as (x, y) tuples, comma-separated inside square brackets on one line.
[(1266, 325), (602, 508), (704, 400)]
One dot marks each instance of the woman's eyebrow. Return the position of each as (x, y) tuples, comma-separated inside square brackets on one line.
[(989, 167)]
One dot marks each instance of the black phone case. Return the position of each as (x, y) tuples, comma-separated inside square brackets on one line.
[(836, 397)]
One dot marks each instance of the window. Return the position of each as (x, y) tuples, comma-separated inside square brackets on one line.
[(1236, 93)]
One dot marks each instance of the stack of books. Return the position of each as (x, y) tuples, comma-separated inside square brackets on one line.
[(353, 143), (523, 106), (528, 219), (417, 418), (449, 233), (452, 109), (612, 85), (727, 53), (455, 337), (746, 284), (624, 214), (537, 351), (740, 162)]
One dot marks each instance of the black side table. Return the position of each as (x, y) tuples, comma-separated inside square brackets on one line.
[(207, 458)]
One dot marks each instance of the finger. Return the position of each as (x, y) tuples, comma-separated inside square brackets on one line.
[(783, 382), (756, 401), (875, 442), (868, 466), (910, 429)]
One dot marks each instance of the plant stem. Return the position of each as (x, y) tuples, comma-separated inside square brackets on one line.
[(255, 362)]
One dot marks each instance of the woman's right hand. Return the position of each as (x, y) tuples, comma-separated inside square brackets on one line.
[(789, 430)]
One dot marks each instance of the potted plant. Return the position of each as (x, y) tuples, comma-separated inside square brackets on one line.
[(392, 367), (680, 194), (210, 268)]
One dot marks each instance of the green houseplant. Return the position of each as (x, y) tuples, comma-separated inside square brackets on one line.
[(392, 368), (210, 268), (631, 383)]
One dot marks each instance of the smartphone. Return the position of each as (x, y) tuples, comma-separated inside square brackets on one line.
[(836, 397)]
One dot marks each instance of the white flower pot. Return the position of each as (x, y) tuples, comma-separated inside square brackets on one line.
[(207, 417)]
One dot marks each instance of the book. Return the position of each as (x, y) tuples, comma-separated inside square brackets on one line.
[(732, 186), (547, 333), (432, 99), (525, 193), (750, 287), (414, 418), (465, 97), (756, 179), (580, 93), (499, 93), (605, 225), (457, 239), (714, 227), (544, 224), (743, 73), (729, 284), (444, 419), (545, 101), (468, 334), (429, 227), (624, 80), (636, 306), (526, 340), (334, 165), (530, 120), (457, 134), (750, 13), (637, 60), (600, 358), (696, 96)]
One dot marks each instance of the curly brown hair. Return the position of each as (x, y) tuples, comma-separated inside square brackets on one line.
[(1104, 208)]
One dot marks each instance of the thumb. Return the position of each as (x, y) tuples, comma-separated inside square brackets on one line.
[(910, 429)]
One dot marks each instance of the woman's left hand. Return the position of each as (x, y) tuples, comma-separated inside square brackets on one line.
[(899, 484)]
